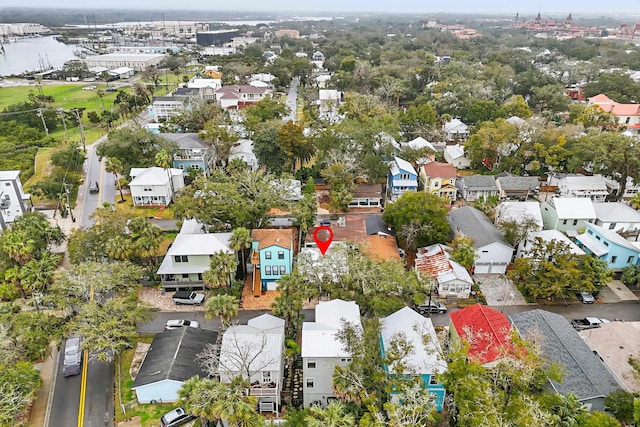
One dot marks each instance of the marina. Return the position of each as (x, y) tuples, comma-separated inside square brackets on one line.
[(34, 54)]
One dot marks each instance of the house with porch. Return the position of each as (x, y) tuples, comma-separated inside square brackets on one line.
[(456, 130), (271, 257), (13, 200), (474, 187), (236, 97), (321, 350), (493, 253), (155, 186), (193, 152), (618, 217), (439, 179), (485, 330), (424, 359), (592, 187), (567, 213), (452, 279), (516, 187), (189, 257), (402, 177), (163, 108), (454, 155), (255, 352), (585, 375), (609, 246), (367, 196)]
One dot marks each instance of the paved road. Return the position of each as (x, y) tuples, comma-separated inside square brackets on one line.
[(66, 398), (292, 100)]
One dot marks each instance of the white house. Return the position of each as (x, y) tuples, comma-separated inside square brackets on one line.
[(454, 154), (493, 253), (520, 213), (164, 107), (236, 97), (452, 279), (618, 217), (122, 72), (524, 247), (152, 186), (592, 187), (456, 130), (189, 257), (169, 362), (243, 149), (321, 350), (567, 213), (255, 352), (424, 359), (206, 87), (474, 187), (13, 201)]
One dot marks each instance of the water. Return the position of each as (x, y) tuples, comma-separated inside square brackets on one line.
[(31, 54)]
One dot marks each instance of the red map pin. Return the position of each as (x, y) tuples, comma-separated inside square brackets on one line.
[(323, 237)]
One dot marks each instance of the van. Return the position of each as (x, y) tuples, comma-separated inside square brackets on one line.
[(93, 187), (72, 357)]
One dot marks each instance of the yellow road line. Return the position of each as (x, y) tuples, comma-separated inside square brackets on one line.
[(83, 388)]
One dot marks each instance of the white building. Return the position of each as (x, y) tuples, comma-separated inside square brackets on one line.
[(255, 352), (456, 130), (136, 61), (454, 154), (153, 187), (452, 279), (243, 149), (525, 246), (521, 213), (22, 29), (617, 217), (13, 201), (122, 72), (164, 107), (321, 350), (593, 187)]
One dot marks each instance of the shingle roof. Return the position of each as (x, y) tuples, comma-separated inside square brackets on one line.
[(480, 183), (172, 356), (368, 190), (517, 183), (185, 140), (473, 223), (273, 237), (485, 329), (585, 375), (439, 170)]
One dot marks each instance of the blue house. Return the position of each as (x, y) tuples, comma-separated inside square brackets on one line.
[(193, 152), (271, 256), (424, 361), (402, 178), (609, 246)]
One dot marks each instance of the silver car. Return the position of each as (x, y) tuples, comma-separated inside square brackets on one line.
[(179, 323), (72, 363)]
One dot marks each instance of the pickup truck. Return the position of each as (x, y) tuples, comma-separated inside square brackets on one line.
[(188, 298), (588, 323)]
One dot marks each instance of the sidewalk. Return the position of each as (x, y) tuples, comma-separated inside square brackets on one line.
[(39, 409)]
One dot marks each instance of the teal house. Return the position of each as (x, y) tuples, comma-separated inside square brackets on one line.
[(271, 257), (609, 246), (425, 360)]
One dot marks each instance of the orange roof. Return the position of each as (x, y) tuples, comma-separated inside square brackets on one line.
[(486, 330), (381, 247), (600, 98), (273, 237), (608, 105), (439, 170), (433, 264)]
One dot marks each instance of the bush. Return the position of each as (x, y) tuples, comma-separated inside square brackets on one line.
[(8, 292)]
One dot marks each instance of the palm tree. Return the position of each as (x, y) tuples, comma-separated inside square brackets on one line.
[(221, 267), (165, 161), (114, 166), (198, 398), (233, 404), (146, 237), (334, 415), (239, 242), (224, 306)]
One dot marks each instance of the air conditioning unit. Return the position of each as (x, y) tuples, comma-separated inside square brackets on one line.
[(342, 221), (4, 204)]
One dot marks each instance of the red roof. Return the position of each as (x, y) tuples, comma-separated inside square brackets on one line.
[(439, 170), (610, 106), (486, 330)]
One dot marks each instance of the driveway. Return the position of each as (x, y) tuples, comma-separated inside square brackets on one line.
[(498, 290), (616, 291)]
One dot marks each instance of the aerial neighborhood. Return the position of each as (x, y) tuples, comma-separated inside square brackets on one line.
[(419, 221)]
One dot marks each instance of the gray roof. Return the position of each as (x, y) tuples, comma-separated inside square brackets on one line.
[(172, 356), (186, 91), (375, 225), (473, 223), (480, 183), (585, 374), (185, 140), (616, 212), (518, 183)]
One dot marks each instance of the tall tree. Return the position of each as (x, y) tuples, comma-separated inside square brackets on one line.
[(114, 166), (19, 384), (335, 414), (224, 306), (296, 147), (241, 241), (165, 161), (221, 268)]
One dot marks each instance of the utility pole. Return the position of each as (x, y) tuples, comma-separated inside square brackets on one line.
[(39, 114), (64, 123), (67, 188), (81, 129)]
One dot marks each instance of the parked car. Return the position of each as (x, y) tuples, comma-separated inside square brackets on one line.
[(188, 297), (586, 297), (179, 323), (91, 87), (588, 323), (72, 363), (432, 306), (175, 418), (111, 89), (94, 188), (325, 223)]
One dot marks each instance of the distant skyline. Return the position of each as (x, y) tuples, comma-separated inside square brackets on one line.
[(546, 7)]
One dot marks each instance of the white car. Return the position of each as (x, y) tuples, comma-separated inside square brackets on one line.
[(89, 87), (179, 323)]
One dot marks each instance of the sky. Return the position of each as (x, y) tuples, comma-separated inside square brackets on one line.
[(546, 7)]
